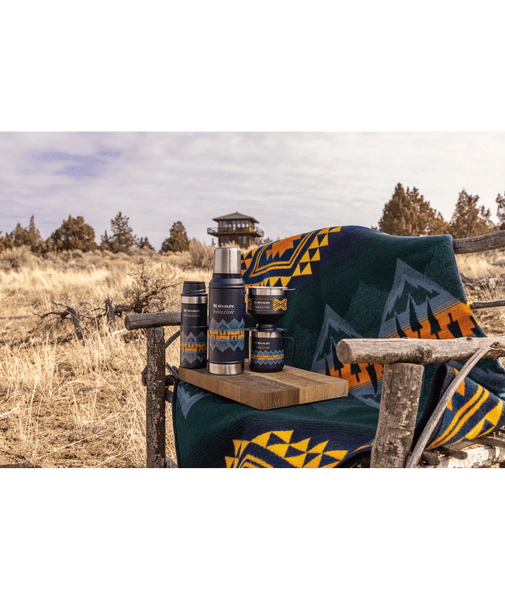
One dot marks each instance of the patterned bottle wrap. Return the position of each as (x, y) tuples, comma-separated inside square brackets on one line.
[(226, 325), (267, 353), (193, 335)]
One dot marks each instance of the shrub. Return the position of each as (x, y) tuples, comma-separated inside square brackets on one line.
[(17, 258)]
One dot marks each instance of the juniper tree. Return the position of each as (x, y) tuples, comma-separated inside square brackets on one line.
[(27, 236), (73, 234), (122, 238), (469, 219), (408, 213), (500, 212), (178, 240), (144, 242)]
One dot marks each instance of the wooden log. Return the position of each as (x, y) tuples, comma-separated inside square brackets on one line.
[(452, 452), (401, 388), (161, 319), (431, 458), (155, 398), (487, 304), (487, 440), (479, 457), (111, 315), (423, 352), (167, 344), (480, 243)]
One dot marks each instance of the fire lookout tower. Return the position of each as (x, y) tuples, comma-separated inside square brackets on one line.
[(236, 228)]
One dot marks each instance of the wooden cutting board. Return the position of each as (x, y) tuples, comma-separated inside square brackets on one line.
[(265, 391)]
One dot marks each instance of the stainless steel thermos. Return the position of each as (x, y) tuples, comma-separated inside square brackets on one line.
[(226, 335), (193, 325)]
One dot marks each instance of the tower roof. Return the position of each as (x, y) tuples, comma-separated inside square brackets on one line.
[(233, 216)]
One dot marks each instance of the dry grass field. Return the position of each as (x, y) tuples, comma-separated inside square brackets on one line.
[(66, 402), (71, 403)]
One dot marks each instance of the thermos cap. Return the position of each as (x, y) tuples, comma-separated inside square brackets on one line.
[(227, 261), (194, 288)]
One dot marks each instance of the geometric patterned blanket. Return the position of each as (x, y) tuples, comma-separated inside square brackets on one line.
[(349, 282)]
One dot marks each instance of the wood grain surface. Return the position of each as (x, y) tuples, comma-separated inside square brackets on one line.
[(265, 391)]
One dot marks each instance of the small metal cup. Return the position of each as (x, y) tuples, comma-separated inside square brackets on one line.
[(266, 349)]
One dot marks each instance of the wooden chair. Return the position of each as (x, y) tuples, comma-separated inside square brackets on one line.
[(403, 361)]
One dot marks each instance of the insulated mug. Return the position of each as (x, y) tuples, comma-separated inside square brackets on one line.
[(266, 350), (266, 305), (193, 325)]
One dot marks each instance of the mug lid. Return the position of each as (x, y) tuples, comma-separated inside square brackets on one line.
[(256, 290), (266, 333), (193, 288)]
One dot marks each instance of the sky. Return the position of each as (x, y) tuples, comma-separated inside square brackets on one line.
[(290, 182)]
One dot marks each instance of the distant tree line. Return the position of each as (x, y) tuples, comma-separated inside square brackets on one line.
[(75, 234), (408, 213)]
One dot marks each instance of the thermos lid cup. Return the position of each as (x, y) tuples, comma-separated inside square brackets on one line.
[(194, 288), (275, 290), (227, 261)]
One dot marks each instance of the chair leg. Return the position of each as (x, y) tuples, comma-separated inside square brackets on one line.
[(401, 389), (155, 398)]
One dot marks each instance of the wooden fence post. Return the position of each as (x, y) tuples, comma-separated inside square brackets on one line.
[(401, 388), (155, 398), (111, 315)]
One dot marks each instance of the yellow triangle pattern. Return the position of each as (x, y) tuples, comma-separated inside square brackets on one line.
[(300, 269), (302, 446), (314, 463), (243, 459), (337, 454), (319, 448), (279, 449), (493, 416), (262, 439), (284, 435), (297, 461), (475, 431)]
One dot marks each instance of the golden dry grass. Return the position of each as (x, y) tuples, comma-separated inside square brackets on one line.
[(68, 403), (492, 320)]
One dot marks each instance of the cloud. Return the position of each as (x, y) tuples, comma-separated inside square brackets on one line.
[(78, 165), (290, 182)]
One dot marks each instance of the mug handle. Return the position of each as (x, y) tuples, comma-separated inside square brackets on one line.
[(294, 347)]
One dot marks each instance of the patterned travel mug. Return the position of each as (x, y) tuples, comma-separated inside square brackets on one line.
[(193, 325)]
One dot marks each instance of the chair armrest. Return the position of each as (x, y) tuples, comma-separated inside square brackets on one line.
[(146, 320), (423, 352)]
